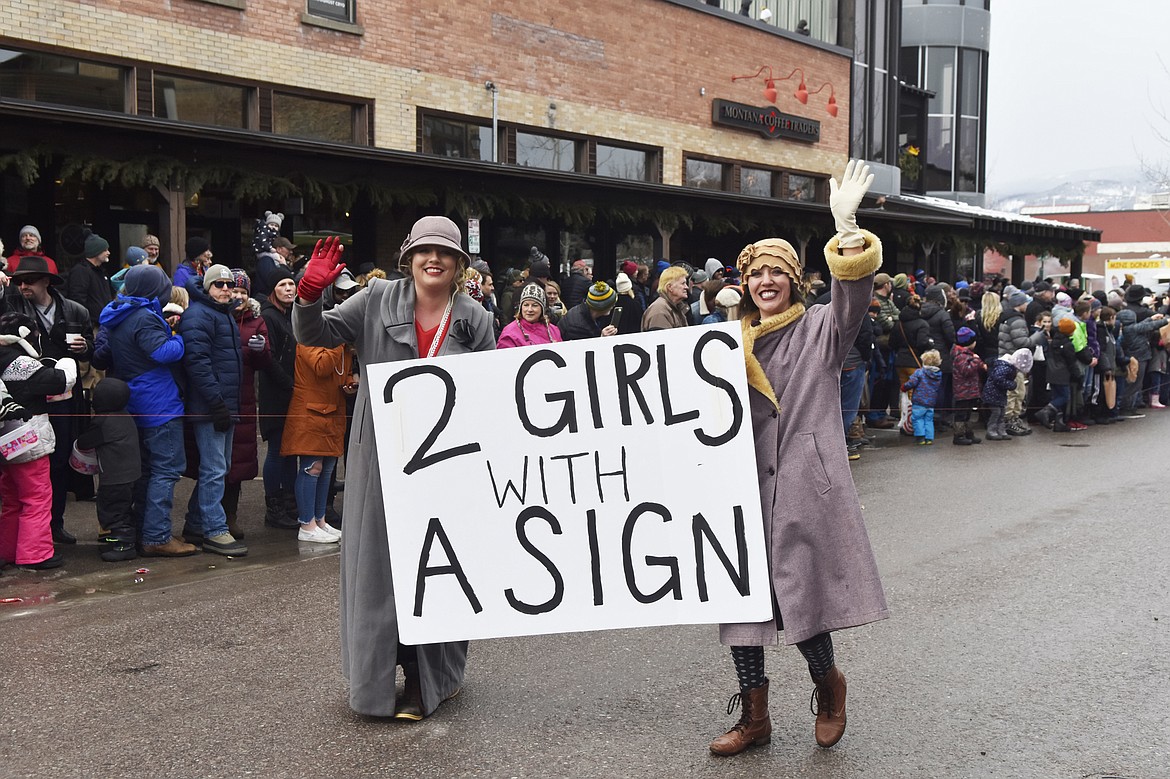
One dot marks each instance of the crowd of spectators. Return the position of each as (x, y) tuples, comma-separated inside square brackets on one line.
[(146, 378)]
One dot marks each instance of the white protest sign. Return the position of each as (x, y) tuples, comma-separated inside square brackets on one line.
[(589, 485)]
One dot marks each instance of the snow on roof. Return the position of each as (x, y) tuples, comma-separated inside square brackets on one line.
[(959, 207)]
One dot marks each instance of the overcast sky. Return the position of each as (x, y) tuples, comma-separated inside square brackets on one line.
[(1075, 85)]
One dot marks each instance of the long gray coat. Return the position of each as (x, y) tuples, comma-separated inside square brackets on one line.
[(824, 576), (379, 321)]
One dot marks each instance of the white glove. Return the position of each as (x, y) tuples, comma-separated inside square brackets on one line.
[(844, 198), (256, 343), (68, 366)]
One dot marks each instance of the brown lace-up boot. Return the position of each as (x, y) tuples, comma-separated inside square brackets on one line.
[(754, 727), (828, 704)]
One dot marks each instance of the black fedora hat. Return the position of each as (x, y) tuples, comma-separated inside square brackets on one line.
[(35, 265)]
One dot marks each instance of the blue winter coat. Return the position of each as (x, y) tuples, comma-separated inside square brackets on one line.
[(136, 344), (1001, 379), (925, 383), (213, 360)]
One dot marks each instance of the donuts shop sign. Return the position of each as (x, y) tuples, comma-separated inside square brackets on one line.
[(572, 486)]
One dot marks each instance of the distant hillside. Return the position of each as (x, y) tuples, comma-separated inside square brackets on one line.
[(1117, 189)]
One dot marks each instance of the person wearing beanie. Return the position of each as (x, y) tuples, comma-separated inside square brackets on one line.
[(153, 247), (140, 349), (134, 256), (26, 536), (576, 287), (793, 358), (274, 394), (1063, 371), (1137, 323), (197, 257), (1044, 298), (213, 362), (29, 243), (592, 318), (244, 465), (669, 309), (725, 306), (1002, 380), (883, 392), (967, 376), (630, 268), (1014, 334), (113, 435), (629, 320), (417, 317), (942, 332), (705, 305), (87, 282), (531, 326)]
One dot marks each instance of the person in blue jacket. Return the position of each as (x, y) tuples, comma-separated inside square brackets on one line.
[(135, 344), (213, 363)]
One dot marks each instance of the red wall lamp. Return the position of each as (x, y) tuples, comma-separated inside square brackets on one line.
[(801, 93)]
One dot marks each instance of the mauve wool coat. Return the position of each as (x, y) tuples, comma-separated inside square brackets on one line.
[(824, 576), (379, 321)]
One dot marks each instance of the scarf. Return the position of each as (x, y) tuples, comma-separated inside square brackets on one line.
[(757, 379)]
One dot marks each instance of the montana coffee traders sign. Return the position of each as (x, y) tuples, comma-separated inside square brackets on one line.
[(766, 121)]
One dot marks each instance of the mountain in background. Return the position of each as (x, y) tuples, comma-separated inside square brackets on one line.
[(1102, 189)]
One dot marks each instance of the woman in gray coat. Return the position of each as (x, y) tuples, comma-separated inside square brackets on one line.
[(823, 572), (422, 315)]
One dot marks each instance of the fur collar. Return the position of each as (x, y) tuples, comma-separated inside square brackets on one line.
[(757, 379)]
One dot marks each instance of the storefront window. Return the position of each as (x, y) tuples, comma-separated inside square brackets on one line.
[(449, 138), (620, 163), (702, 174), (305, 117), (753, 181), (200, 102), (544, 151), (800, 188), (337, 10), (48, 78)]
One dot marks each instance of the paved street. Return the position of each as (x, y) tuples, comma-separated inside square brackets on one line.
[(1029, 584)]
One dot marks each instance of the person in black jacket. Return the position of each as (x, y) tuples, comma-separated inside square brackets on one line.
[(114, 436), (591, 319), (87, 282), (576, 287), (64, 329), (853, 384), (908, 340), (275, 392), (942, 332)]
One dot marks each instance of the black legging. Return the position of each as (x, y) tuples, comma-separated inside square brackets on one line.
[(749, 660)]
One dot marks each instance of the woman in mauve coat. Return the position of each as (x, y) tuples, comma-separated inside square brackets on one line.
[(824, 576), (422, 315)]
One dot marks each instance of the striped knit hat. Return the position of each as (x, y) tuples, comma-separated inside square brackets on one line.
[(601, 297)]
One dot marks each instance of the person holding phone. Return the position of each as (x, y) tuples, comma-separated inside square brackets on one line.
[(531, 326), (670, 308), (592, 318)]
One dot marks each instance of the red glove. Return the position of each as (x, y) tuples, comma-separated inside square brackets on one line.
[(322, 270)]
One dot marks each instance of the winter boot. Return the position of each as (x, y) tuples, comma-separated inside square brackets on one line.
[(828, 704), (962, 434), (1046, 415), (275, 514), (1058, 423), (754, 727), (410, 705), (119, 550)]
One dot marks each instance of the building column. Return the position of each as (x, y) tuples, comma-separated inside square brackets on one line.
[(172, 224)]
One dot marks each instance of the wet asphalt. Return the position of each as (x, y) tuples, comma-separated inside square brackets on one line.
[(1029, 583)]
